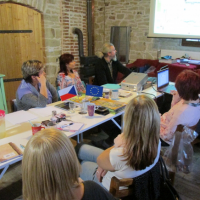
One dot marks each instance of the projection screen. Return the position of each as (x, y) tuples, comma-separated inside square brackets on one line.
[(174, 18)]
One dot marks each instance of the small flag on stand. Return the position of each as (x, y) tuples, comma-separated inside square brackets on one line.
[(93, 90), (67, 93)]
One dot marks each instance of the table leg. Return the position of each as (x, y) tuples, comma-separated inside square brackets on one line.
[(4, 171), (122, 121), (116, 124), (78, 139), (81, 137)]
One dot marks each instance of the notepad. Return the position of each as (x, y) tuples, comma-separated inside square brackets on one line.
[(69, 126), (20, 117)]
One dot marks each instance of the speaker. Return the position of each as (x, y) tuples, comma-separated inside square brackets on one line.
[(120, 37)]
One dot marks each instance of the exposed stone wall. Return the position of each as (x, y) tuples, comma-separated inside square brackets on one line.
[(59, 17), (134, 13), (74, 14), (50, 10)]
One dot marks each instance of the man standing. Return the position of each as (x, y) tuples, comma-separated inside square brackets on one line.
[(106, 70), (107, 66)]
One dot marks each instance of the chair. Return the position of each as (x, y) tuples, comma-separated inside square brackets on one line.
[(116, 183), (14, 105), (87, 74), (3, 104), (145, 186)]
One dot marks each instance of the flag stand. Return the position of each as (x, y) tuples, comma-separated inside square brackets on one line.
[(82, 105)]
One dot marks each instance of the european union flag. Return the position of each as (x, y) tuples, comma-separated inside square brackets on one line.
[(94, 90)]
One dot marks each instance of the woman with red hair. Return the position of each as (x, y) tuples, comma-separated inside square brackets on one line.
[(67, 75), (185, 106)]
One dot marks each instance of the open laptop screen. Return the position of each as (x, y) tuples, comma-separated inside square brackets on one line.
[(162, 78)]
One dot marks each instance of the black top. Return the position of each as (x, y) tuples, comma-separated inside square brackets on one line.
[(102, 71), (93, 191)]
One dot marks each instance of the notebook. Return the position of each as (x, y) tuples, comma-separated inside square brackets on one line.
[(9, 151), (163, 81), (113, 105), (69, 126)]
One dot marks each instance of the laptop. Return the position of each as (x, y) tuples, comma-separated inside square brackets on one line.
[(163, 84)]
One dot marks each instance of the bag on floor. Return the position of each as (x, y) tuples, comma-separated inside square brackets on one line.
[(179, 155), (167, 191)]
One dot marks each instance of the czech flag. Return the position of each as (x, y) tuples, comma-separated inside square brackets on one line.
[(94, 90), (67, 92)]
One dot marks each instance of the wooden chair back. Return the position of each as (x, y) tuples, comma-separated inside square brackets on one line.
[(117, 183)]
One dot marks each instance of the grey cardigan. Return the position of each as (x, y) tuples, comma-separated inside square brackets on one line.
[(31, 101)]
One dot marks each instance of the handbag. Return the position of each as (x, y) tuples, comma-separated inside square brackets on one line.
[(167, 191)]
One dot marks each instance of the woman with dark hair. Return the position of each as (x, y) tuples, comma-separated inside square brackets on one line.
[(34, 90), (67, 75), (185, 106)]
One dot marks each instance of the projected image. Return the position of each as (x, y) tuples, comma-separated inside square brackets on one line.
[(177, 17)]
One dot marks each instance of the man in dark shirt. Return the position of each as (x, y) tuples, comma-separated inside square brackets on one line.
[(106, 70), (107, 66)]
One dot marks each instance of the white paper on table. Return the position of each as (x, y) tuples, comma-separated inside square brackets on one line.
[(64, 126), (20, 117), (46, 111)]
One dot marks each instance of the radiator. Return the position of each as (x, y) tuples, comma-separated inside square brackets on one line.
[(177, 54)]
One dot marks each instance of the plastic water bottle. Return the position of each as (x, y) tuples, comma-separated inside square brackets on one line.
[(2, 124)]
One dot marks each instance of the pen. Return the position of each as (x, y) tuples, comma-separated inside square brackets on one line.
[(66, 125), (22, 146)]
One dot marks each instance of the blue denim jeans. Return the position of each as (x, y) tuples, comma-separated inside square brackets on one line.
[(88, 154)]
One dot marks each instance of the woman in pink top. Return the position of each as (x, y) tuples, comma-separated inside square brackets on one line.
[(185, 106), (67, 75)]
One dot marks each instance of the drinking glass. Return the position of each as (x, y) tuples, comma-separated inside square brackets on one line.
[(71, 107)]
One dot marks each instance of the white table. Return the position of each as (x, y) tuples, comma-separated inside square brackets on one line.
[(15, 133)]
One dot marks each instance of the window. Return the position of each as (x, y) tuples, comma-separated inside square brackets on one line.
[(191, 42)]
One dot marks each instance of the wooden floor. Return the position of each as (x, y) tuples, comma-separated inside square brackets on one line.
[(188, 185)]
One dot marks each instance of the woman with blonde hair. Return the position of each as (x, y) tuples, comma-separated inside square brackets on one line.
[(136, 150), (50, 170)]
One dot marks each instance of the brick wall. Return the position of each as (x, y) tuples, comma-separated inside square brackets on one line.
[(74, 15), (133, 13)]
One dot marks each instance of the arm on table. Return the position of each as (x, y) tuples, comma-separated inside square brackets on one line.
[(124, 70), (34, 101)]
